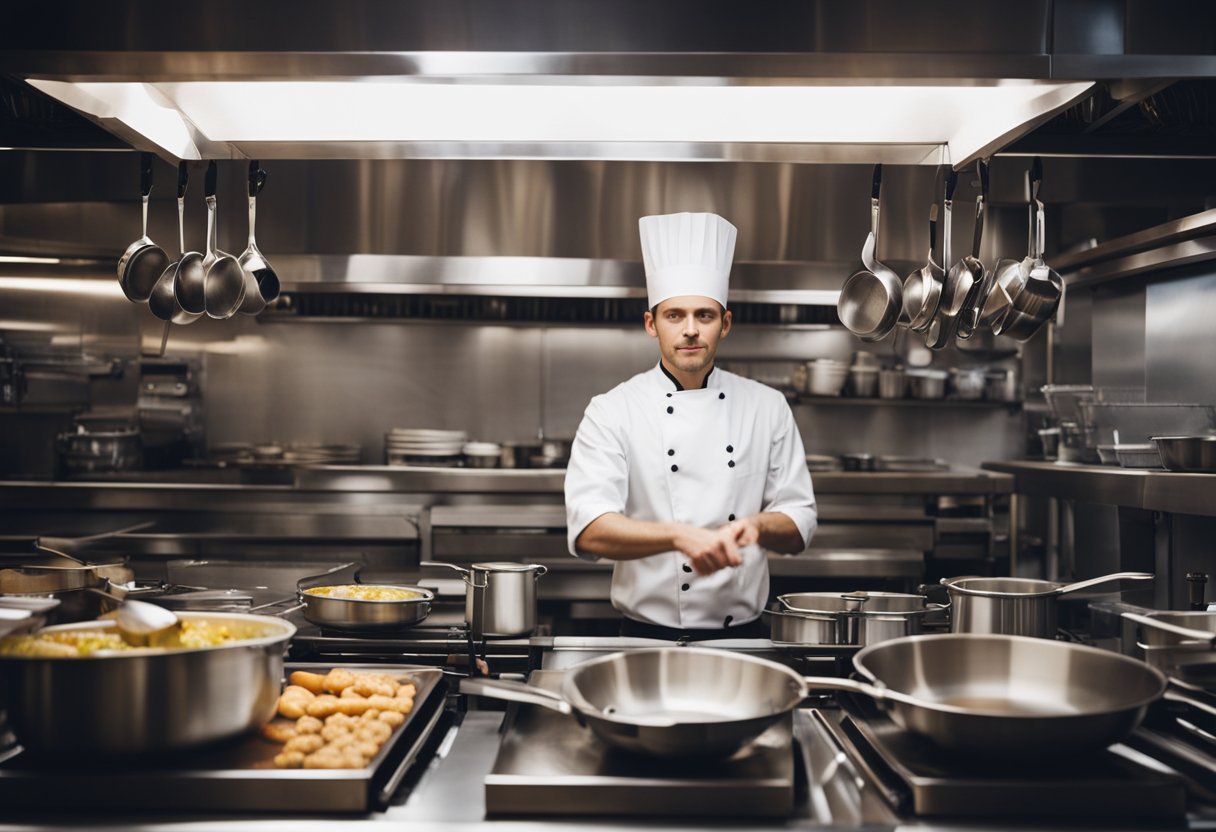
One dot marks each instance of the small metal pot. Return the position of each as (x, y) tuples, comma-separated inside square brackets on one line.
[(519, 454), (101, 451), (927, 384), (858, 618), (507, 595), (859, 462), (141, 701), (1015, 606), (1001, 385), (892, 384), (1179, 644), (968, 383)]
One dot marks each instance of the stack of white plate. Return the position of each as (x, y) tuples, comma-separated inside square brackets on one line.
[(425, 446)]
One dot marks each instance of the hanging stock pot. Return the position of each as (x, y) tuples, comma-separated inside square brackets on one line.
[(500, 596)]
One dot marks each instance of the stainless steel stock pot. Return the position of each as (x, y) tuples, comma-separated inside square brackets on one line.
[(140, 701), (500, 596)]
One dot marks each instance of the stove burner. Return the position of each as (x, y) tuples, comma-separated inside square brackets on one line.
[(917, 777)]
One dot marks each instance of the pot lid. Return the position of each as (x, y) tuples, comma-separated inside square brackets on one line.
[(506, 566)]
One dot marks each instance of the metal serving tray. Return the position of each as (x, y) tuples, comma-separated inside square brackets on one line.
[(238, 776)]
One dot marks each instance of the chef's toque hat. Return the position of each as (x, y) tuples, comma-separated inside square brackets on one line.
[(686, 254)]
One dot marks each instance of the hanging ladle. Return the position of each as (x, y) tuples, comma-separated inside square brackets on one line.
[(923, 288), (981, 277), (164, 302), (224, 280), (142, 264), (871, 299), (941, 326), (252, 261)]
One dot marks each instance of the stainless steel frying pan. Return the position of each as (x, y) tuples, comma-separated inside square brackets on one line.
[(669, 702), (988, 695)]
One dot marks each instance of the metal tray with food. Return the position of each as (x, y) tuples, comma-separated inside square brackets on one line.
[(241, 775)]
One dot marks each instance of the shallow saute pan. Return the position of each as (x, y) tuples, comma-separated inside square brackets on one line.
[(1005, 696), (370, 613)]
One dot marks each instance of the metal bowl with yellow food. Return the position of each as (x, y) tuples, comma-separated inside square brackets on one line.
[(79, 690), (365, 606)]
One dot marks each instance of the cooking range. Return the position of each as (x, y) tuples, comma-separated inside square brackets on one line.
[(546, 764)]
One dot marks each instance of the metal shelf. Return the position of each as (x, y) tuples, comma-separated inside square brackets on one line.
[(846, 401), (1153, 490)]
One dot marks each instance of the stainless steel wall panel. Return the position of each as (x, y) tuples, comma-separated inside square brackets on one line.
[(296, 27), (1179, 338), (1119, 336)]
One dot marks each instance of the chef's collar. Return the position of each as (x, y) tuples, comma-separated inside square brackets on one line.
[(680, 387)]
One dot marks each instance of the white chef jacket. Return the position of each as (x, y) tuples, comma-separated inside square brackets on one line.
[(651, 451)]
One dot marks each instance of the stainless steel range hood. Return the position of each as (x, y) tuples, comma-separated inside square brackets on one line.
[(782, 81), (500, 148)]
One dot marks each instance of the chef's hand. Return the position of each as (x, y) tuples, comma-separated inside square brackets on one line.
[(744, 532), (709, 550)]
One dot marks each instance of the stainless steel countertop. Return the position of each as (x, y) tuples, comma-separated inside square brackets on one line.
[(387, 479), (1153, 490), (450, 796)]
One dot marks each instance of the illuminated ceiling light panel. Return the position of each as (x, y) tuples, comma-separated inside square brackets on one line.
[(63, 285), (965, 120)]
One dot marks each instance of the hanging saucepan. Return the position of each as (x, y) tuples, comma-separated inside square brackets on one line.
[(224, 279), (923, 288), (940, 328), (871, 300), (982, 696), (1016, 606), (509, 590), (1039, 297), (1010, 275), (142, 264)]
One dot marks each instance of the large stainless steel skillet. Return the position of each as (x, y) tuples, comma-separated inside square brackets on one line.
[(994, 695)]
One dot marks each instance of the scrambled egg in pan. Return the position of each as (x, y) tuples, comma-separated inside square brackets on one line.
[(365, 592), (194, 634)]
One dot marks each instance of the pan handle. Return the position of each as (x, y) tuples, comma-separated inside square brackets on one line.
[(466, 573), (1201, 637), (1104, 579), (882, 696), (63, 545), (516, 692)]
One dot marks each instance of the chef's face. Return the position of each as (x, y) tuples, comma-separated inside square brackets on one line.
[(689, 328)]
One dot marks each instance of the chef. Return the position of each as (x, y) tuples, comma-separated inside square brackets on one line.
[(685, 473)]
